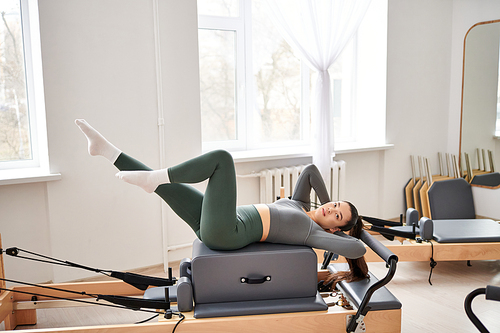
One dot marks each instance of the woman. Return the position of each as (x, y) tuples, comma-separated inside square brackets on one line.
[(221, 225)]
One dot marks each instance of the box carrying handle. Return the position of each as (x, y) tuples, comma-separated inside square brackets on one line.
[(255, 280)]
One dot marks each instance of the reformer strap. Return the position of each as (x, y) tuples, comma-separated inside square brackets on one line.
[(383, 223), (379, 225), (393, 233), (15, 252), (140, 282), (135, 303)]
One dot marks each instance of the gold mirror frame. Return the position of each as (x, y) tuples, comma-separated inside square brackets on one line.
[(463, 90)]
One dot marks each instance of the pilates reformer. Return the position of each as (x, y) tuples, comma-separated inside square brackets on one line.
[(454, 233), (269, 287)]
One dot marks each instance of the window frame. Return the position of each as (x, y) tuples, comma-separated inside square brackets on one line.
[(367, 129), (39, 164), (244, 92), (234, 24)]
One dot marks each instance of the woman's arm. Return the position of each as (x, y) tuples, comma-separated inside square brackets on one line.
[(310, 178), (340, 243)]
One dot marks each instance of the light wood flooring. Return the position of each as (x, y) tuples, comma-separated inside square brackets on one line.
[(426, 308)]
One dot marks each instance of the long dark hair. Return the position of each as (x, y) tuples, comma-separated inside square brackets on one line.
[(358, 269)]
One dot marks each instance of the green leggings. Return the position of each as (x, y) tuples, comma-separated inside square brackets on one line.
[(213, 216)]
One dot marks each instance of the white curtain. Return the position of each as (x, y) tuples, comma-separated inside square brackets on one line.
[(319, 30)]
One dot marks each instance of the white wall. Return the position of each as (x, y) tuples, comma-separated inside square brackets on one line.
[(417, 99), (99, 64)]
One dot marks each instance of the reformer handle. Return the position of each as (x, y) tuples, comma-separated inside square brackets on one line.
[(12, 251), (255, 280)]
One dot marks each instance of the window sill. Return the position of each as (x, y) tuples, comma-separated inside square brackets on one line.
[(270, 154), (25, 176), (347, 148), (303, 151)]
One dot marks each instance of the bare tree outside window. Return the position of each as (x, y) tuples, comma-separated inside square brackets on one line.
[(217, 85), (15, 143), (277, 78)]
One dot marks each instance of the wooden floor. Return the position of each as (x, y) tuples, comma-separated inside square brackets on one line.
[(426, 308), (440, 307)]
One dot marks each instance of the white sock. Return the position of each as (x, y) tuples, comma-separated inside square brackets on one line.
[(147, 180), (98, 145)]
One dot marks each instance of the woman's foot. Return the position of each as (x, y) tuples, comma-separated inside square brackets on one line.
[(97, 144), (147, 180)]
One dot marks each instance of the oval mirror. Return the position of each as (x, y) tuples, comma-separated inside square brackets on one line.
[(481, 105)]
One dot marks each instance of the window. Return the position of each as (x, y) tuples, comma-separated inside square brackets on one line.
[(255, 92), (359, 83), (23, 140)]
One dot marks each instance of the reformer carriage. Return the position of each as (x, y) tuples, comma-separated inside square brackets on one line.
[(274, 303)]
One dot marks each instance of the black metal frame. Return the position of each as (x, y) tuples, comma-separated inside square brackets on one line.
[(491, 293), (391, 260)]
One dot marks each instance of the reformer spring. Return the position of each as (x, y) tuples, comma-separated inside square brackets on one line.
[(341, 301)]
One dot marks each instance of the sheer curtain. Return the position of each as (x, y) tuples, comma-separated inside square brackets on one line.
[(319, 30)]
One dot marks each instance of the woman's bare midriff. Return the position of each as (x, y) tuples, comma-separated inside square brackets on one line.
[(265, 216)]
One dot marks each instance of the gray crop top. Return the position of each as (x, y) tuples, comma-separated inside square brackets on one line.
[(291, 225)]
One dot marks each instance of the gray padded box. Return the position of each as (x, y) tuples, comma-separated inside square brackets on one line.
[(291, 283)]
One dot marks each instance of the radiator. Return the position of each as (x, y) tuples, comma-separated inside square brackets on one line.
[(279, 182)]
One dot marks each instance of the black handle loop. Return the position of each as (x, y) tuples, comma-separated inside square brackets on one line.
[(12, 251), (255, 280)]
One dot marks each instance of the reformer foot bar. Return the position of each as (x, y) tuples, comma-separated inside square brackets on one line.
[(268, 273)]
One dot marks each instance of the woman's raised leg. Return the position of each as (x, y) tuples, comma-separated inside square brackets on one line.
[(219, 226), (185, 200), (212, 216)]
